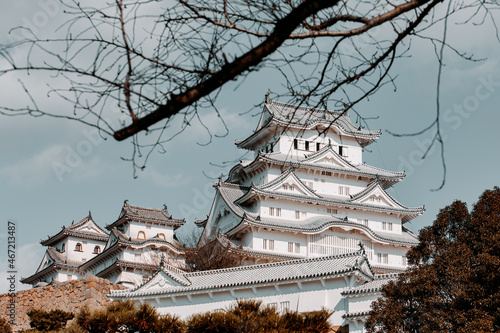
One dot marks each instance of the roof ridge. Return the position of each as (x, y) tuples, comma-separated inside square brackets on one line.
[(385, 170), (302, 107), (277, 263)]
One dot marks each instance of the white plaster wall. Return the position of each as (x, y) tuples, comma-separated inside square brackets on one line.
[(286, 144), (87, 249), (150, 231), (312, 296), (288, 209), (395, 255), (128, 255), (281, 240), (63, 276), (329, 185), (362, 303)]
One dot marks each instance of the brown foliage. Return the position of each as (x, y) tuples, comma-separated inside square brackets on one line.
[(212, 255), (454, 283), (249, 316), (5, 326)]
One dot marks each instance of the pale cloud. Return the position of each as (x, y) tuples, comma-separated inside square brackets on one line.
[(32, 171), (58, 162), (166, 180)]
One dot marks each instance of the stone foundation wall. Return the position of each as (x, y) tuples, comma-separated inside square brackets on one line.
[(68, 296)]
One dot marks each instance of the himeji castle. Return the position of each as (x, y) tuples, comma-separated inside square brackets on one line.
[(307, 193), (313, 225)]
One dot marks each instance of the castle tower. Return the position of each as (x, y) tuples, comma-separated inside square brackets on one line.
[(307, 193)]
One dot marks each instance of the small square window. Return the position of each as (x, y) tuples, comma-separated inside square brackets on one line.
[(284, 306)]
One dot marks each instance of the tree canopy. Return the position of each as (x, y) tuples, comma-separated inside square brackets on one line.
[(454, 283), (130, 66)]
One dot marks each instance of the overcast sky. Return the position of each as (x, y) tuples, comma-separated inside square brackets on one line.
[(40, 198)]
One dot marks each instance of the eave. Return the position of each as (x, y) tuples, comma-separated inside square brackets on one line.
[(121, 265), (237, 286), (255, 193), (69, 233), (127, 219), (247, 223), (262, 162), (54, 267)]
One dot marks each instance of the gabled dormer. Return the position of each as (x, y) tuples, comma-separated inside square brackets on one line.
[(375, 195), (167, 276), (328, 157), (85, 229), (288, 183)]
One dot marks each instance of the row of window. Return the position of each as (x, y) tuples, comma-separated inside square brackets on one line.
[(276, 211), (294, 247), (306, 145), (283, 306), (344, 190), (79, 248), (387, 226), (363, 222), (141, 235), (382, 258), (268, 244), (301, 214)]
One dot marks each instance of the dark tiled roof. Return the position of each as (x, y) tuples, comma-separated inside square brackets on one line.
[(59, 262), (372, 286), (290, 116), (317, 224), (145, 215), (255, 275), (73, 230), (387, 178), (356, 315), (408, 212)]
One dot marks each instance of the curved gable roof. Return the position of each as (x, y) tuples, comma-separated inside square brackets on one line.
[(85, 228), (288, 177), (330, 157), (145, 215), (288, 115)]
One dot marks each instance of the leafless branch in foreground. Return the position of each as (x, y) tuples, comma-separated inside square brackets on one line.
[(145, 69)]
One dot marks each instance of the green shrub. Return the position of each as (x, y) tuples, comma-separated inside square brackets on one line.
[(49, 320)]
